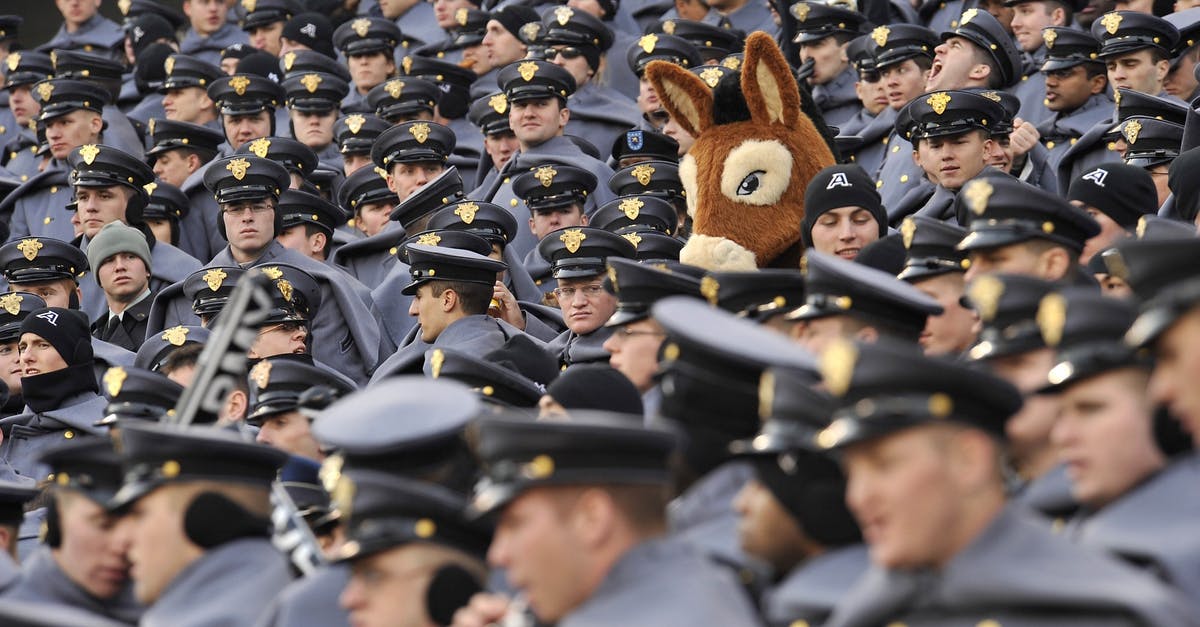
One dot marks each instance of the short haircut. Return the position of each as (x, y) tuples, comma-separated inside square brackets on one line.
[(475, 297), (1038, 246), (995, 79), (185, 356)]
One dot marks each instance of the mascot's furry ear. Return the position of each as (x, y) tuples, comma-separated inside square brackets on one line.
[(683, 94), (767, 81)]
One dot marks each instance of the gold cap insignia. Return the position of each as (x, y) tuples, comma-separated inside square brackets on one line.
[(647, 42), (967, 16), (938, 102), (631, 207), (991, 95), (310, 82), (800, 11), (249, 5), (285, 289), (837, 366), (709, 287), (562, 15), (273, 273), (1048, 36), (435, 362), (1117, 96), (460, 16), (425, 528), (1131, 131), (176, 336), (124, 6), (406, 64), (766, 393), (420, 132), (527, 70), (985, 293), (381, 172), (331, 471), (13, 60), (11, 303), (572, 238), (289, 60), (1141, 227), (711, 76), (90, 151), (880, 35), (214, 278), (260, 147), (150, 187), (394, 88), (546, 175), (114, 378), (732, 63), (1115, 263), (633, 238), (612, 278), (498, 103), (29, 248), (539, 467), (642, 173), (977, 193), (429, 239), (669, 27), (466, 212), (54, 59), (361, 26), (45, 90), (355, 122), (260, 374), (908, 228), (239, 84), (150, 125), (1112, 22), (169, 64), (238, 168), (1052, 317)]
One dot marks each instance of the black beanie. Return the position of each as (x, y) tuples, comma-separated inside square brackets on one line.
[(845, 185), (260, 63), (312, 30), (595, 386), (513, 17), (66, 330), (1120, 191), (813, 492), (885, 254)]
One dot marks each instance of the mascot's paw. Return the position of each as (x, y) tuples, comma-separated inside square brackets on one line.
[(717, 254)]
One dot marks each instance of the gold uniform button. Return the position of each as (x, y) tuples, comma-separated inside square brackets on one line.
[(895, 149), (878, 184), (1049, 145), (506, 180), (53, 189), (1112, 145), (47, 220), (904, 178), (1073, 140), (1024, 78), (392, 250), (513, 202), (12, 155), (68, 434), (886, 140), (988, 623), (24, 177), (799, 623)]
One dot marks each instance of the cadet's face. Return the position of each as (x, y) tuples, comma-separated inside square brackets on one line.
[(76, 12), (676, 132), (953, 160), (158, 548), (1104, 436), (577, 65), (388, 589), (393, 9), (23, 105), (240, 129), (56, 293), (371, 69), (1181, 80), (1011, 259), (1029, 18), (206, 16), (647, 99), (844, 231), (188, 104), (430, 312), (902, 82), (1029, 429), (765, 528), (544, 221), (290, 432), (314, 130), (952, 63), (173, 167), (871, 91), (1000, 153), (1176, 367), (249, 226), (633, 351), (476, 58), (229, 66), (407, 177), (1110, 233), (267, 38), (500, 147), (355, 162), (123, 276), (91, 554), (67, 132), (1003, 14), (815, 335), (953, 331), (589, 307), (11, 370), (536, 121), (1137, 71), (99, 206), (161, 229), (829, 59), (1068, 89), (502, 47), (373, 217), (280, 339), (38, 356), (443, 11), (541, 556), (1158, 174)]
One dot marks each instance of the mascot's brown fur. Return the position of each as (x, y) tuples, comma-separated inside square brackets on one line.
[(745, 179)]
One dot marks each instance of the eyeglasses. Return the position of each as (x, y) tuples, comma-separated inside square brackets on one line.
[(626, 333), (566, 294), (256, 208), (567, 52)]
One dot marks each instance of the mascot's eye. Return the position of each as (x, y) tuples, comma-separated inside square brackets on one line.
[(750, 184)]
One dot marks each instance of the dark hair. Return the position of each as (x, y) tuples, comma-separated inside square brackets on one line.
[(185, 356), (475, 297), (995, 76)]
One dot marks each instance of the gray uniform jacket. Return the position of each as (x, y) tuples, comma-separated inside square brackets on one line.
[(1062, 131), (119, 132), (312, 600), (20, 155), (874, 131), (98, 35), (43, 581), (476, 335), (1031, 89), (170, 265), (419, 24), (208, 49), (703, 516), (39, 206), (370, 259), (753, 16), (664, 583), (837, 99), (1016, 573), (1049, 495), (232, 584), (811, 591), (898, 175), (600, 115), (570, 348), (30, 433)]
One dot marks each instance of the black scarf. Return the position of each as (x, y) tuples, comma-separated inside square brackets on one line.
[(47, 391)]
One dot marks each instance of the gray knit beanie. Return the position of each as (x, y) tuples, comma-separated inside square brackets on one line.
[(115, 238)]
